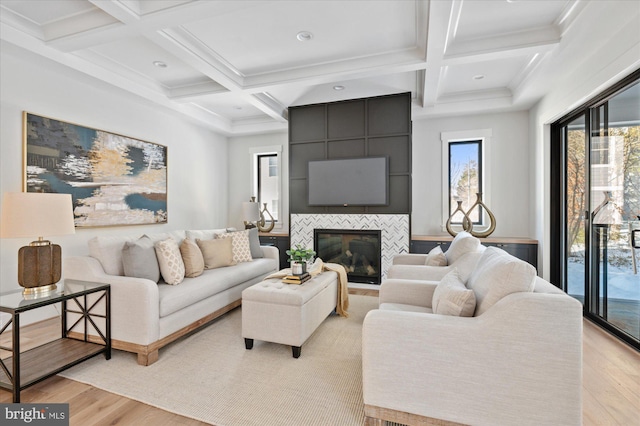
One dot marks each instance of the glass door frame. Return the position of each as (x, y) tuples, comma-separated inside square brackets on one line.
[(558, 179)]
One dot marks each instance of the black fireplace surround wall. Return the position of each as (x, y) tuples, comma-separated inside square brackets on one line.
[(368, 127)]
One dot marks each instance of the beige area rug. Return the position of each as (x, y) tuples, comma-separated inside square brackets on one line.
[(210, 376)]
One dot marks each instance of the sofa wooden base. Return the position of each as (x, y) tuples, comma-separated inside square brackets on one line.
[(148, 354), (376, 416)]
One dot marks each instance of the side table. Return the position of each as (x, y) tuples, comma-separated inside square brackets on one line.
[(84, 305)]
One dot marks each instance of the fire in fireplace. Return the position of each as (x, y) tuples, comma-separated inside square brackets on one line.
[(357, 250)]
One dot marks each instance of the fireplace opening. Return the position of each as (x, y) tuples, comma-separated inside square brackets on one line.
[(357, 250)]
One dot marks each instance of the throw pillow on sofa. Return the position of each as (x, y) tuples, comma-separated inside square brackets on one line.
[(139, 259), (462, 244), (497, 275), (170, 261), (436, 257), (216, 253), (254, 243), (192, 258), (451, 297), (108, 251), (240, 245), (204, 234)]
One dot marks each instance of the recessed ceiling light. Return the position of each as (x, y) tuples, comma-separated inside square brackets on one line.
[(478, 77), (338, 87), (159, 64), (304, 36)]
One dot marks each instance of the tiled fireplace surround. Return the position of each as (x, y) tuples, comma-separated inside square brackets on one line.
[(394, 230)]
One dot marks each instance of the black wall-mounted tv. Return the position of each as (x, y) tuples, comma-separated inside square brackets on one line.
[(349, 182)]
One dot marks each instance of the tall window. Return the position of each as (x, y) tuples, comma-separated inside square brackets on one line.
[(464, 174), (268, 182), (465, 177)]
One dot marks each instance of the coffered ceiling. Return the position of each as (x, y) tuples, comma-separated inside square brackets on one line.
[(236, 66)]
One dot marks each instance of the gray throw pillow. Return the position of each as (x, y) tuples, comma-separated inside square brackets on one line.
[(254, 243), (139, 259)]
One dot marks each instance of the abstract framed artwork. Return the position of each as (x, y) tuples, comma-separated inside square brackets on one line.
[(113, 180)]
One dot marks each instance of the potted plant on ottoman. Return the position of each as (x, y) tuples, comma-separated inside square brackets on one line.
[(298, 257)]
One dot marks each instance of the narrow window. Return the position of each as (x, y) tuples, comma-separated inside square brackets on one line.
[(268, 184), (465, 177)]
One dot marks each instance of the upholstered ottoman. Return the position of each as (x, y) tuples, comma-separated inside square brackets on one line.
[(287, 313)]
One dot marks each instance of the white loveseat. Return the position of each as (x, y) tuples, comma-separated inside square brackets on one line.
[(517, 360), (146, 315), (463, 254)]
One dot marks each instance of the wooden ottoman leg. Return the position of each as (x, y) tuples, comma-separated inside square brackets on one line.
[(296, 351), (248, 343)]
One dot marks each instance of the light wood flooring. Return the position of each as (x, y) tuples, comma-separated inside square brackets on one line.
[(611, 384)]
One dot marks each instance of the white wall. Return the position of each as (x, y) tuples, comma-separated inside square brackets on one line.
[(600, 55), (506, 192), (197, 157), (241, 150)]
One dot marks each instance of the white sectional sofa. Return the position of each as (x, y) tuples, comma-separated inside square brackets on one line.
[(503, 347), (146, 315)]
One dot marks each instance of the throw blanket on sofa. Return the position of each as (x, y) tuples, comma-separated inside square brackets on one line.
[(318, 266)]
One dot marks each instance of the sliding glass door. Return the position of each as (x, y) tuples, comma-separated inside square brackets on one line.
[(601, 209)]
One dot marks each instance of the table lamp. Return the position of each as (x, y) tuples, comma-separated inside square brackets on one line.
[(250, 213), (29, 215)]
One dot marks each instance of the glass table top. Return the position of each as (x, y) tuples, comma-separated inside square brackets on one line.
[(15, 300)]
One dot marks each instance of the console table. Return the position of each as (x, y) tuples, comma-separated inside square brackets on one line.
[(279, 240), (89, 307), (522, 248)]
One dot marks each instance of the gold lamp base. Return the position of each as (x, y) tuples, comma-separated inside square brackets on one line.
[(39, 267)]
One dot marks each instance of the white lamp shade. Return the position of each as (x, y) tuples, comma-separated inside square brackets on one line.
[(250, 211), (35, 214)]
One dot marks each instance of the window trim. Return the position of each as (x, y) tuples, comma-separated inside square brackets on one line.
[(484, 136)]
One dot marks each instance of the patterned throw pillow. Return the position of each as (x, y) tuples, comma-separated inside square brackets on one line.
[(170, 261), (239, 245)]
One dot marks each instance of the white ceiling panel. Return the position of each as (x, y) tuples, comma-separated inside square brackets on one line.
[(486, 18), (44, 12), (139, 54), (236, 66), (263, 38), (231, 108), (490, 75)]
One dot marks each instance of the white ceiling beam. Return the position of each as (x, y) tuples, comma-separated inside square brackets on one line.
[(503, 46), (371, 66), (442, 19), (118, 9), (269, 105), (191, 92), (9, 17), (192, 51), (254, 126)]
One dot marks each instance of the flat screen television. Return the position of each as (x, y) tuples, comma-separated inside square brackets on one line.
[(349, 182)]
